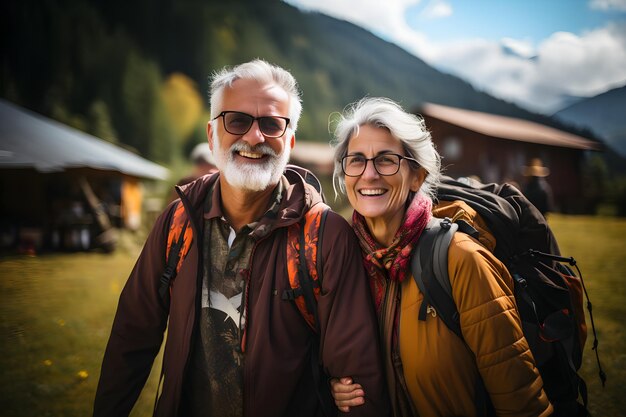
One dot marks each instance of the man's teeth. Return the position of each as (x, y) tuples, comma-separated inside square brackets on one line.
[(252, 155), (377, 191)]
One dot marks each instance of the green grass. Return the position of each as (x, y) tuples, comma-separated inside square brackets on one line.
[(56, 313), (55, 320), (597, 243)]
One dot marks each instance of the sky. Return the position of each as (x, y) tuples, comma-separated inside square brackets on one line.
[(537, 53)]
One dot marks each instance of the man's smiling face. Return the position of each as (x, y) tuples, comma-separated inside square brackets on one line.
[(252, 161)]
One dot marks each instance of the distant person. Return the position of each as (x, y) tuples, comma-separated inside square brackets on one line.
[(203, 163), (235, 347), (537, 189)]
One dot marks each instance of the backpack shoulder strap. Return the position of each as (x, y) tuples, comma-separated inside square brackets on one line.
[(179, 240), (429, 266), (304, 242), (311, 275)]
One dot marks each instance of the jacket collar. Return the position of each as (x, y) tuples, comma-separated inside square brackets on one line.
[(298, 197)]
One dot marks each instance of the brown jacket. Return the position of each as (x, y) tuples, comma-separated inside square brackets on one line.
[(441, 370), (277, 371)]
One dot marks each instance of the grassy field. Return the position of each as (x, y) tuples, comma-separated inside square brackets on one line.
[(57, 311), (55, 321), (597, 244)]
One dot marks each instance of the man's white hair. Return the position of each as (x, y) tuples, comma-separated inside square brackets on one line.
[(264, 73)]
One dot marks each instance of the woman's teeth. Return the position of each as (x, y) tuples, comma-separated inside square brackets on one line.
[(373, 192)]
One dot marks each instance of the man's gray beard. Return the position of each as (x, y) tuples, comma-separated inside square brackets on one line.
[(253, 176)]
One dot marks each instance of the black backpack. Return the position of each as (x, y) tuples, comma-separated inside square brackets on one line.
[(548, 293)]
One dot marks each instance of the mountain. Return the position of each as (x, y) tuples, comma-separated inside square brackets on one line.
[(100, 65), (567, 100), (604, 114)]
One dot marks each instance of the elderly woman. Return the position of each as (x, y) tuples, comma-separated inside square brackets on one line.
[(386, 163)]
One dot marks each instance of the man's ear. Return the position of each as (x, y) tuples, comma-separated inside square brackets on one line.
[(292, 141), (209, 134)]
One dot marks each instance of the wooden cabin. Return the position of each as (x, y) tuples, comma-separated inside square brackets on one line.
[(497, 148), (61, 188)]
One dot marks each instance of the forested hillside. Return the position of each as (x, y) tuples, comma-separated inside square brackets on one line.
[(135, 72)]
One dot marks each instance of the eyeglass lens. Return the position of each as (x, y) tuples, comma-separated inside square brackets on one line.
[(385, 164), (240, 123)]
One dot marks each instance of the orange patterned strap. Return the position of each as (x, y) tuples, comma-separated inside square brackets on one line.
[(313, 222), (176, 226)]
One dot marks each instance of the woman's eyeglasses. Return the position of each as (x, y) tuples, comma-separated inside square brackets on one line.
[(238, 123), (385, 164)]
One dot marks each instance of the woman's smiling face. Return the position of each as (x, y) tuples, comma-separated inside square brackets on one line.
[(374, 196)]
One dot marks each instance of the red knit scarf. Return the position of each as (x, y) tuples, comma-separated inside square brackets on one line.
[(393, 262)]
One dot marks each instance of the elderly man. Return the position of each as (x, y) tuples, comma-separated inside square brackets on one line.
[(234, 347)]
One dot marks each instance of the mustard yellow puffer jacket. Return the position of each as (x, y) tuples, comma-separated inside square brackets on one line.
[(441, 371)]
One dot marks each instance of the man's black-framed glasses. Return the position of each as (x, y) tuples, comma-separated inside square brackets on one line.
[(238, 123), (385, 164)]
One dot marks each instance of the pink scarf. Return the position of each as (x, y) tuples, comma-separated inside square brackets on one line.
[(393, 262)]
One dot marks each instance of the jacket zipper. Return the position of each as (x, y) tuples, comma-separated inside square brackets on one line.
[(243, 342), (244, 332)]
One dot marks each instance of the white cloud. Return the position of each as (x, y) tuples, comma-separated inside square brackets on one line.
[(487, 66), (585, 65), (608, 4), (563, 64), (535, 76), (437, 9), (385, 18)]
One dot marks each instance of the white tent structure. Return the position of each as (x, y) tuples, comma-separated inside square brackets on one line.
[(28, 140)]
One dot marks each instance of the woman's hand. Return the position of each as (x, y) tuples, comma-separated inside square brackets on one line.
[(346, 394)]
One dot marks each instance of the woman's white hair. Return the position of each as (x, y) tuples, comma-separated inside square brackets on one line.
[(408, 128), (264, 73)]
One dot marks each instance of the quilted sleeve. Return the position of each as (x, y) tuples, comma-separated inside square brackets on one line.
[(483, 292)]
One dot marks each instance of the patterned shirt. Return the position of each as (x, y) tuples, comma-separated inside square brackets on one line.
[(214, 385)]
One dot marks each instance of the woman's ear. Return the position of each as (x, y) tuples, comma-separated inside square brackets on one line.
[(419, 175)]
